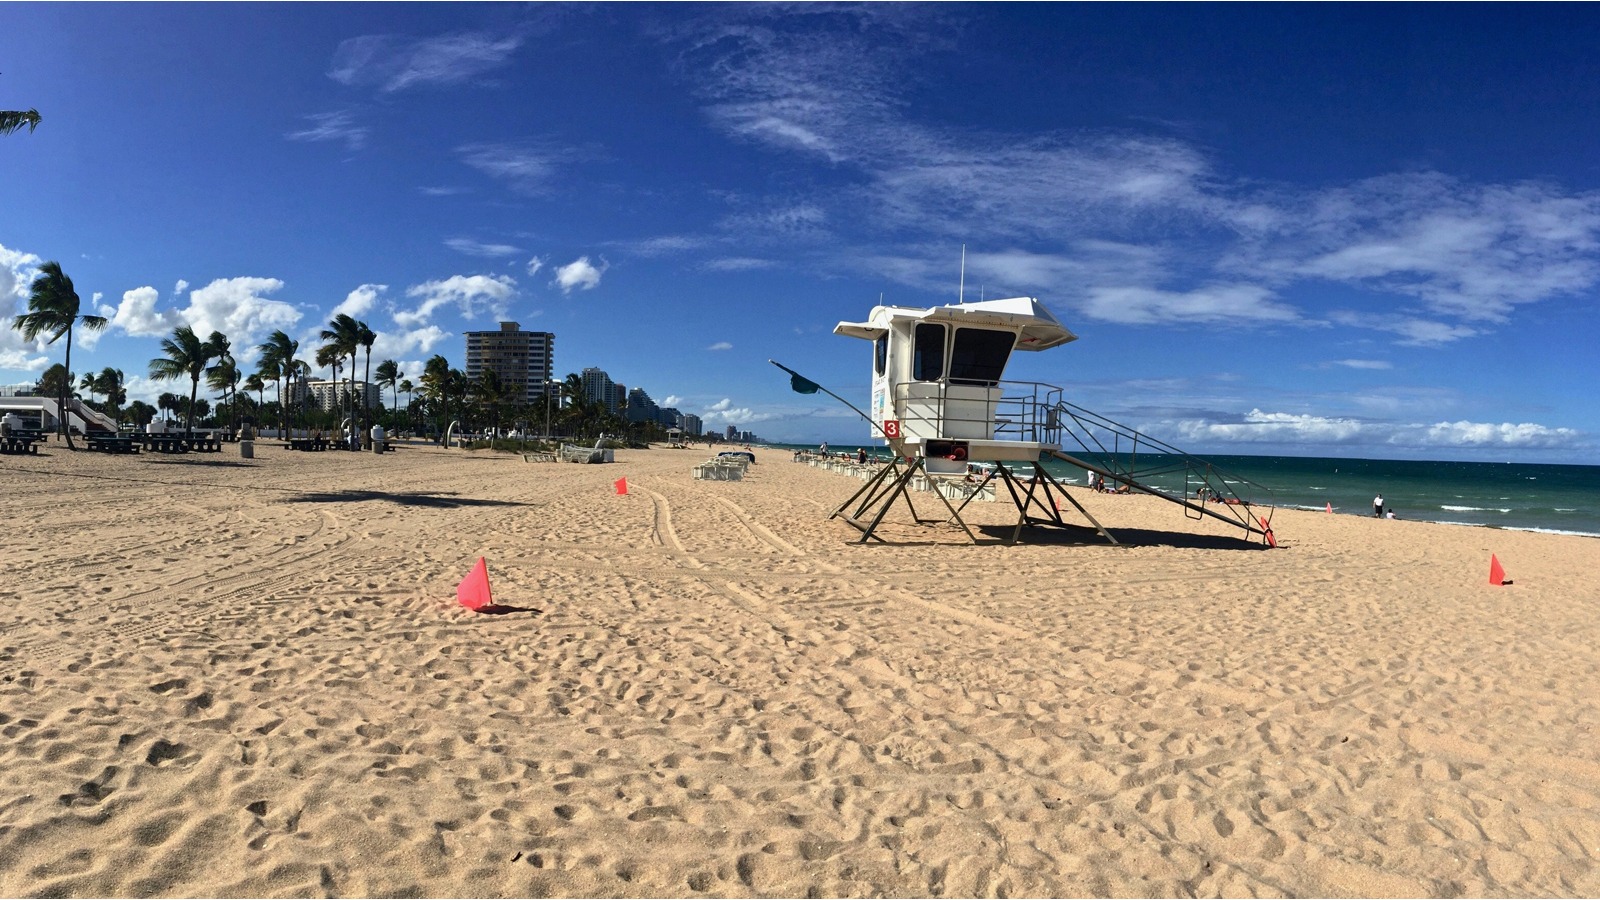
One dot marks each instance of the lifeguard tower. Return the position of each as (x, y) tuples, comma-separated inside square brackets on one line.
[(940, 401)]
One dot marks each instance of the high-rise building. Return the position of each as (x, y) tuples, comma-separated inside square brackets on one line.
[(524, 360), (640, 407), (690, 424), (334, 395), (599, 388)]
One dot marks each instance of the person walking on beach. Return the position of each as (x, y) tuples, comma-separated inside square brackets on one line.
[(1377, 506)]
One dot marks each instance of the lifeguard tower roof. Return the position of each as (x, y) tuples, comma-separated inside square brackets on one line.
[(1039, 329)]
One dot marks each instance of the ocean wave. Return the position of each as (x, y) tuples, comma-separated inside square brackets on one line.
[(1473, 509)]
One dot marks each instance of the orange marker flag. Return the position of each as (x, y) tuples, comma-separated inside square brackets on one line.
[(473, 591), (622, 485), (1497, 575)]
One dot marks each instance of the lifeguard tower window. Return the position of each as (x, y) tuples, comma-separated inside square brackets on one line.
[(880, 354), (979, 355), (927, 357)]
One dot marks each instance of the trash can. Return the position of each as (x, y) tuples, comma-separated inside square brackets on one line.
[(247, 449)]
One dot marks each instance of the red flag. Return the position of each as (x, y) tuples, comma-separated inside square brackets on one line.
[(473, 591), (1330, 506), (622, 485), (1497, 575)]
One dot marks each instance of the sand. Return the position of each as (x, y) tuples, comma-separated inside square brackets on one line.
[(250, 677)]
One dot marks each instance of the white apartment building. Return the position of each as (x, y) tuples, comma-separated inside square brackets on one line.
[(524, 360)]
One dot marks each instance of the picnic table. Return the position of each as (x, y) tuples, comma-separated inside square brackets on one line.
[(308, 444), (111, 443), (21, 440)]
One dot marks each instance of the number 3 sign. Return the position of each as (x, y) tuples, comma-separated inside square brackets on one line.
[(891, 428)]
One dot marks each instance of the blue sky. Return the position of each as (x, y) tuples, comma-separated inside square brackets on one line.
[(1368, 230)]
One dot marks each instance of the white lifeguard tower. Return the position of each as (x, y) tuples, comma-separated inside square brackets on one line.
[(940, 400)]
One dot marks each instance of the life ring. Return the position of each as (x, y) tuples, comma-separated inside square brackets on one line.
[(958, 453)]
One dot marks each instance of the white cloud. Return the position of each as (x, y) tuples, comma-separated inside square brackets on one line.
[(1237, 303), (359, 301), (1373, 364), (724, 412), (672, 400), (580, 274), (720, 345), (333, 126), (1260, 427), (1415, 332), (534, 265), (478, 248), (526, 167), (392, 62), (137, 315), (739, 264), (441, 191), (398, 342), (471, 295), (240, 309)]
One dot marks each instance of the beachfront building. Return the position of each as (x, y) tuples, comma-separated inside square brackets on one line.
[(599, 388), (523, 360), (331, 395), (641, 408), (690, 424)]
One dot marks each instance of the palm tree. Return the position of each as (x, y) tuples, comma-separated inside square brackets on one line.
[(109, 384), (87, 384), (406, 385), (169, 403), (366, 337), (141, 412), (254, 383), (224, 377), (53, 310), (12, 120), (187, 355), (341, 338), (278, 364), (389, 375)]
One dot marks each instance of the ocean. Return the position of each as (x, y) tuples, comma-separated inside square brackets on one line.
[(1560, 499)]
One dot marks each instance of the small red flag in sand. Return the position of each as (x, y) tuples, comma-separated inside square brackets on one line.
[(622, 485), (473, 592), (1497, 575), (1330, 506)]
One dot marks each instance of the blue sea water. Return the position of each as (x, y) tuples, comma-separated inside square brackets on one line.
[(1528, 496)]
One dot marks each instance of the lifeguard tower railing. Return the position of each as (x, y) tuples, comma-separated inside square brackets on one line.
[(1127, 459)]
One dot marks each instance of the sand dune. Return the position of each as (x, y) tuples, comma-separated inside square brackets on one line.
[(249, 677)]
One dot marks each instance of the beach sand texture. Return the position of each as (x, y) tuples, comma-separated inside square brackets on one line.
[(223, 676)]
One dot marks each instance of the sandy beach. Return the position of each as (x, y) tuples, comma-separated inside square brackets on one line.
[(250, 677)]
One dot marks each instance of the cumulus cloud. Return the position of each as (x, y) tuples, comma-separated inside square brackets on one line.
[(724, 412), (580, 274), (392, 62), (1258, 427), (471, 295), (672, 400), (360, 301), (478, 248), (136, 314), (240, 309), (333, 126)]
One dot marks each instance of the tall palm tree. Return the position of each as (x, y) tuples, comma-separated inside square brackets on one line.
[(224, 378), (389, 375), (87, 384), (278, 364), (187, 355), (366, 337), (406, 385), (341, 338), (53, 310), (13, 120)]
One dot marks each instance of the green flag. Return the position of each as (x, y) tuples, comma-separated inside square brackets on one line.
[(801, 385)]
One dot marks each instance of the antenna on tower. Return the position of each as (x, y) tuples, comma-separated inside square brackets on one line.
[(961, 292)]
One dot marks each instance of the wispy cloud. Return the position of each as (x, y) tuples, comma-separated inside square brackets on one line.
[(526, 167), (477, 248), (391, 62), (720, 345), (738, 264), (1365, 364), (333, 126)]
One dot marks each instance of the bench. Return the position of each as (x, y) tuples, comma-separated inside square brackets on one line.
[(164, 443), (204, 443), (102, 443), (308, 444), (20, 441)]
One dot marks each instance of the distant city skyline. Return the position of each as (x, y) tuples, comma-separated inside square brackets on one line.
[(1319, 230)]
